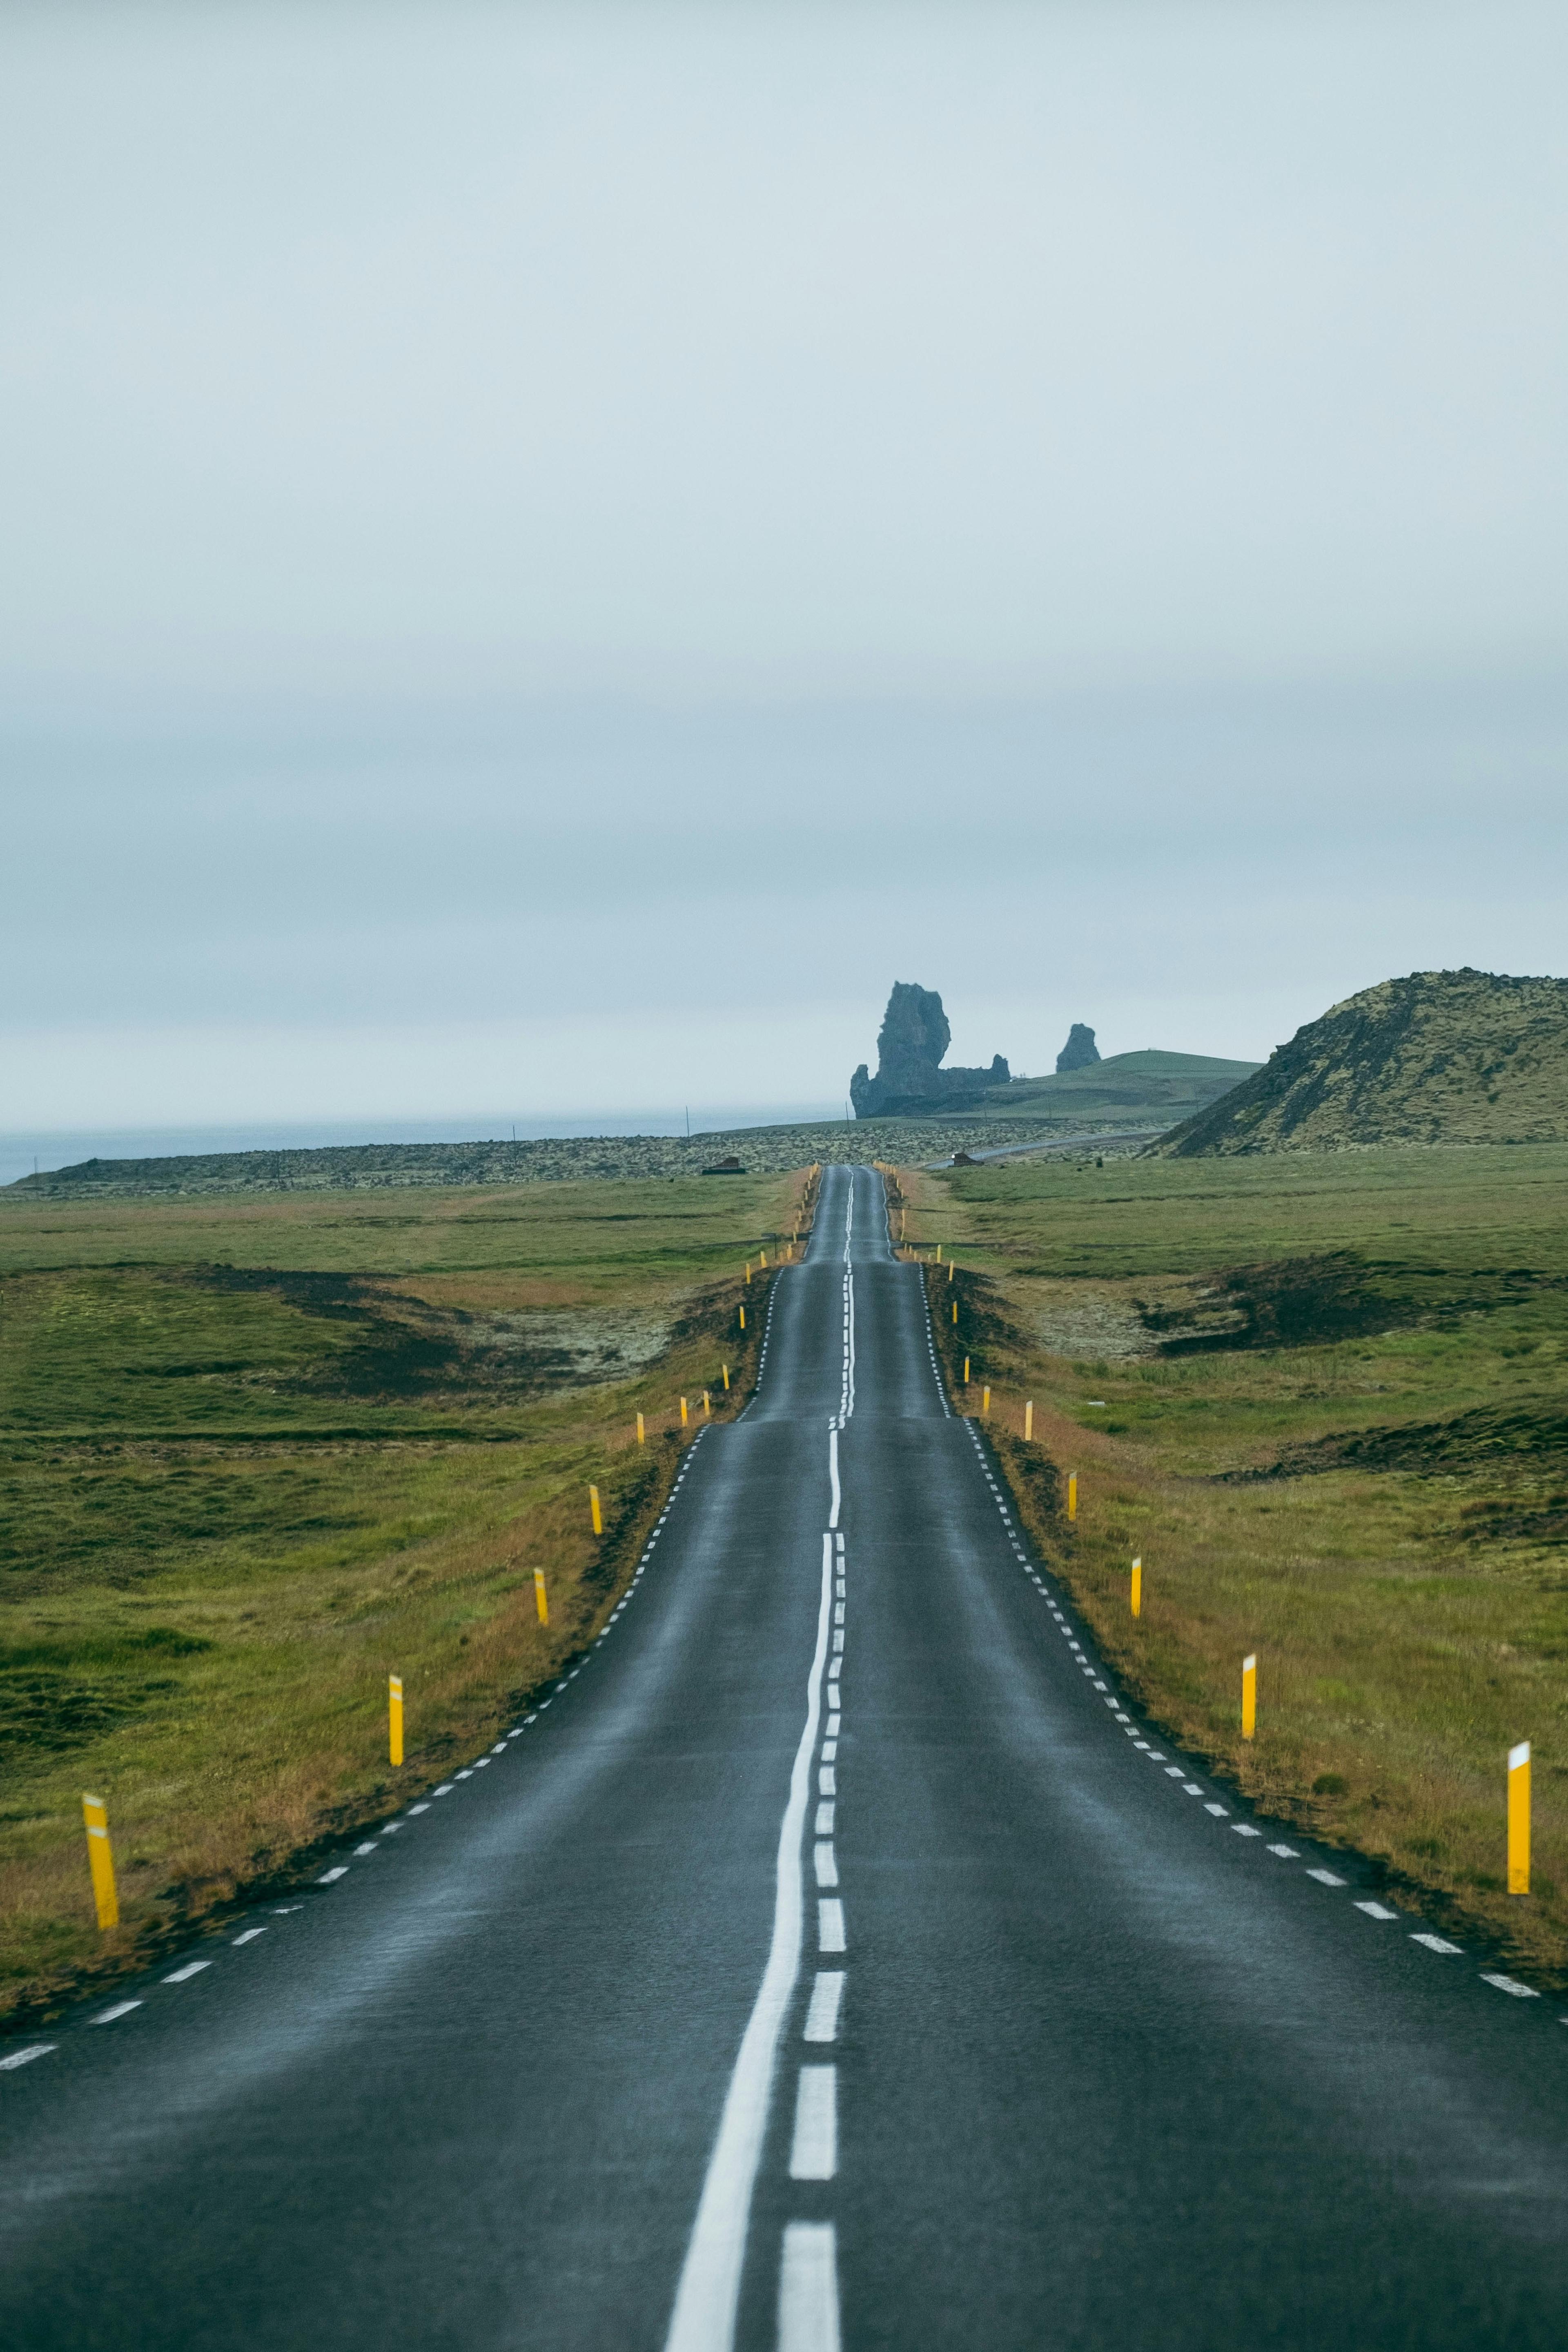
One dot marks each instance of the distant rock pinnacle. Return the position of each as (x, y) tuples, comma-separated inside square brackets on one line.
[(913, 1037), (1079, 1050)]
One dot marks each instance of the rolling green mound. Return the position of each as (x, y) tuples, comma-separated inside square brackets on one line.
[(1143, 1090), (1438, 1057)]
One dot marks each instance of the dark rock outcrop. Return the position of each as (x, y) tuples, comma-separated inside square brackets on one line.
[(909, 1082), (1079, 1050)]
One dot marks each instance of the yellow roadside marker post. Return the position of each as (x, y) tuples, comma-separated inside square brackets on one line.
[(748, 1271), (765, 1257), (743, 1318), (394, 1717), (949, 1267), (724, 1369), (684, 1416), (1072, 1495), (955, 1310), (1029, 1420), (938, 1253), (594, 1509), (101, 1860), (1248, 1697), (540, 1603), (641, 1438), (707, 1408), (1519, 1818), (1137, 1588), (966, 1372), (985, 1403)]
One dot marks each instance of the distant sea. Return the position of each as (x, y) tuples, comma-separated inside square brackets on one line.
[(20, 1151)]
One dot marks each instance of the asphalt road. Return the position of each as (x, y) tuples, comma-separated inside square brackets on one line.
[(834, 1958)]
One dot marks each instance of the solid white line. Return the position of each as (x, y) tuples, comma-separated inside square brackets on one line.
[(822, 2017), (830, 1924), (706, 2300), (808, 2289), (34, 2050), (814, 2155)]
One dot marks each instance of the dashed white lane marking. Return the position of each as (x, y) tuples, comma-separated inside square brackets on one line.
[(417, 1809), (825, 1863), (1437, 1944), (1325, 1878), (249, 1935), (366, 1849), (1219, 1811), (839, 1613), (190, 1969), (830, 1750), (808, 2289), (826, 1782), (831, 1926), (1377, 1911), (15, 2058), (1509, 1984), (339, 1869), (120, 2009), (1245, 1829), (834, 1488), (1286, 1852), (1174, 1772), (825, 1820), (706, 2300), (814, 2151), (827, 1997)]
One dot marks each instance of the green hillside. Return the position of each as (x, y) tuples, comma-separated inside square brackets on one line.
[(1143, 1090), (1436, 1057)]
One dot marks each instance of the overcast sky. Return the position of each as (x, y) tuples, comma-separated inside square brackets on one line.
[(551, 554)]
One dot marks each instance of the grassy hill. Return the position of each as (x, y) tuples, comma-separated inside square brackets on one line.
[(1140, 1091), (1438, 1057)]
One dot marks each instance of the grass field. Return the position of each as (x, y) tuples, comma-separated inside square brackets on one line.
[(258, 1454), (1322, 1397)]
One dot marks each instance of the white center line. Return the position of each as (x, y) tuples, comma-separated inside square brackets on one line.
[(830, 1924), (808, 2289), (709, 2290), (825, 1820), (826, 1864), (827, 1996), (814, 2155)]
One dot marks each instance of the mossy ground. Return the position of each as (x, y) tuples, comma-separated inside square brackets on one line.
[(257, 1454), (1326, 1407)]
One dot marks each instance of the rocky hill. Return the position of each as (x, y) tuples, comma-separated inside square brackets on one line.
[(909, 1081), (1438, 1057)]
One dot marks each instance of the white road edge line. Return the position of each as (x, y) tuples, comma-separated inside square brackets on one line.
[(709, 2290)]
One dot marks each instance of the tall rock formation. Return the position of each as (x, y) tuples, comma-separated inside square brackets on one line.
[(910, 1045), (1438, 1057), (1079, 1051)]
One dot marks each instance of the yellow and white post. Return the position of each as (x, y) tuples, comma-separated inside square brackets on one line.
[(1248, 1697), (597, 1515), (101, 1860), (641, 1437), (1029, 1420), (1137, 1588), (540, 1603), (707, 1406), (1072, 1493), (1519, 1818), (394, 1717)]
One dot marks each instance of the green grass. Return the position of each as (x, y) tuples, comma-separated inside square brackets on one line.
[(1324, 1398), (256, 1454)]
